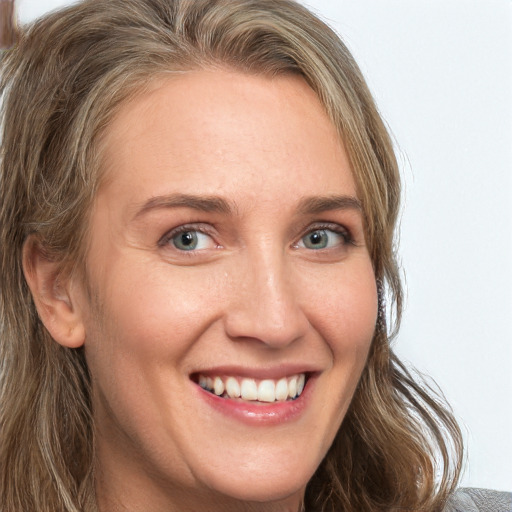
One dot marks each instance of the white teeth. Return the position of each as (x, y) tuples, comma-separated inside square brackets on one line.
[(232, 388), (300, 383), (249, 389), (282, 389), (292, 387), (218, 386), (267, 391)]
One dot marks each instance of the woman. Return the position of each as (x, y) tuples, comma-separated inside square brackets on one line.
[(197, 220)]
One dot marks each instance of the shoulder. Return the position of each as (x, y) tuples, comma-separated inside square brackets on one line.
[(479, 500)]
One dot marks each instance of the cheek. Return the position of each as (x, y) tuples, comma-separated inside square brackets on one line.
[(343, 307), (343, 310), (151, 316), (149, 321), (155, 306), (345, 315)]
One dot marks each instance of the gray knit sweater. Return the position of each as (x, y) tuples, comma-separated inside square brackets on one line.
[(479, 500)]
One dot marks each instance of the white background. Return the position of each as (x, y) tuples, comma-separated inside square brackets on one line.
[(441, 72)]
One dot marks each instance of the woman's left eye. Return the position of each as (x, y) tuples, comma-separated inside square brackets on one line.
[(323, 239), (191, 240)]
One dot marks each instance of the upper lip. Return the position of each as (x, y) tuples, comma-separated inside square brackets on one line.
[(260, 373)]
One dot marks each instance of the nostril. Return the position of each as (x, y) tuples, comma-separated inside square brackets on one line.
[(277, 328)]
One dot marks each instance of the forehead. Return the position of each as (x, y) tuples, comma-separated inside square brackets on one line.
[(218, 132)]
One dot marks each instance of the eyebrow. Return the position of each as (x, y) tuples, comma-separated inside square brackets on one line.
[(200, 203), (314, 205), (307, 206)]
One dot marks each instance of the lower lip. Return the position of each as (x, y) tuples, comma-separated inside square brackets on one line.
[(259, 413)]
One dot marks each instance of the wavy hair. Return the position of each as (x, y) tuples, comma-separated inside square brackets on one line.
[(8, 29), (398, 448)]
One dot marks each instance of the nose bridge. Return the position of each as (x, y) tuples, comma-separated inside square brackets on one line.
[(266, 305)]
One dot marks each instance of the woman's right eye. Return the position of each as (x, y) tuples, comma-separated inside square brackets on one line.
[(188, 240)]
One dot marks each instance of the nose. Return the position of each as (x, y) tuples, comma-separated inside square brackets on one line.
[(265, 304)]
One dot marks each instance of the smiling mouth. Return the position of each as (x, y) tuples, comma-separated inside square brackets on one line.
[(254, 390)]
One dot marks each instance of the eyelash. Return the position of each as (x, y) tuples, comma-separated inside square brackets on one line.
[(205, 230)]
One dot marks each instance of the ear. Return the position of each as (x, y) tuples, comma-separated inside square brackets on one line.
[(52, 294)]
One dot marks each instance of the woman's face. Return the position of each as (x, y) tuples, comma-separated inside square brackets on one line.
[(227, 257)]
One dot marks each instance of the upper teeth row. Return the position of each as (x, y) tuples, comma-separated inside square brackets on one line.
[(249, 389)]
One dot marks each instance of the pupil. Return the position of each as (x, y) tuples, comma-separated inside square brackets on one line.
[(316, 237), (187, 238)]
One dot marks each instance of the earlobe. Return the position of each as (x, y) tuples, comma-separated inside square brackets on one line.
[(52, 295)]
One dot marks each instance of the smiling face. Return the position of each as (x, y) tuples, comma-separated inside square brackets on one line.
[(227, 256)]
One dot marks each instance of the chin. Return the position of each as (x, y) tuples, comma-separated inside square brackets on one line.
[(246, 488), (268, 481)]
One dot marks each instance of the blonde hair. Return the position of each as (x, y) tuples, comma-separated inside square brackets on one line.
[(7, 24), (61, 84)]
